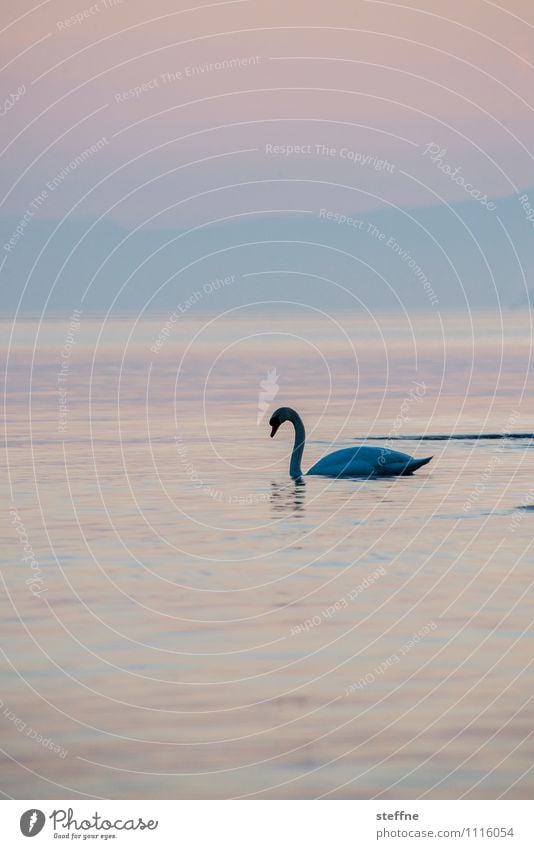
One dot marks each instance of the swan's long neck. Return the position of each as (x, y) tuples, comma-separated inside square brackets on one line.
[(298, 447)]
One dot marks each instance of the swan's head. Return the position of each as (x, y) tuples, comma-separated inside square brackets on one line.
[(281, 415)]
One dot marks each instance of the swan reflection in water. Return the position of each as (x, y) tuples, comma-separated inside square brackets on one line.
[(288, 498)]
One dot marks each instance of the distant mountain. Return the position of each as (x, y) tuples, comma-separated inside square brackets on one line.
[(440, 257), (524, 301)]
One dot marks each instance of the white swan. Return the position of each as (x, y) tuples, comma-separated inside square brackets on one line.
[(359, 461)]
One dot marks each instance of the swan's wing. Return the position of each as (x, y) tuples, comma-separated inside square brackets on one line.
[(347, 461), (366, 460)]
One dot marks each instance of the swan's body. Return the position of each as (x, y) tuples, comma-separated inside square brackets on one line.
[(360, 461)]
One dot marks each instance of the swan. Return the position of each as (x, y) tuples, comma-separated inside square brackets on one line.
[(359, 461)]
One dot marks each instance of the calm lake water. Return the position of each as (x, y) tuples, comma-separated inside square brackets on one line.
[(190, 623)]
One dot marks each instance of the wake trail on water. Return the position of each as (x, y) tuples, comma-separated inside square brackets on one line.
[(442, 437)]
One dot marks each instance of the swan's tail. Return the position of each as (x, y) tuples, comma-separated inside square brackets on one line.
[(413, 465)]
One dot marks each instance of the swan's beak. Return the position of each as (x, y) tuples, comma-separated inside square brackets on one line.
[(274, 427)]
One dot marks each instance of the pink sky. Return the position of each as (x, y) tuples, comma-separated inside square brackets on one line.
[(382, 79)]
